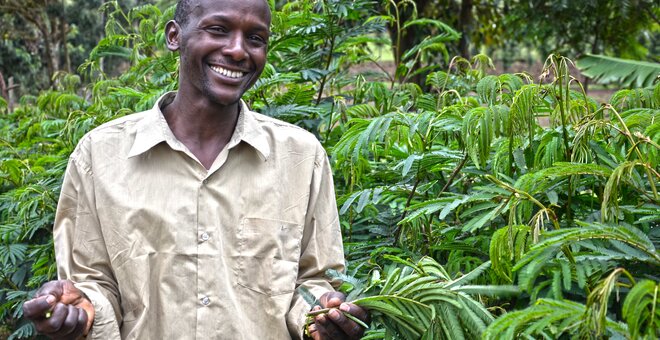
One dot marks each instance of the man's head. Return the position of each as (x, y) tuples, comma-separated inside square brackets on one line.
[(222, 44)]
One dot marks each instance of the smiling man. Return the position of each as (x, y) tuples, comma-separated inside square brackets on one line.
[(199, 218)]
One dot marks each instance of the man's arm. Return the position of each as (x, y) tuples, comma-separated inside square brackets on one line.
[(80, 250), (321, 249)]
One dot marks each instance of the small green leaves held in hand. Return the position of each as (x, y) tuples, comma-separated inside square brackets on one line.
[(311, 315)]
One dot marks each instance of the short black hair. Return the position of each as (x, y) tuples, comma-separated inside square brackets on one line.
[(182, 12), (183, 9)]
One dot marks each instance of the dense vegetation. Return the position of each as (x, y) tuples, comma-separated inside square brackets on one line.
[(463, 216)]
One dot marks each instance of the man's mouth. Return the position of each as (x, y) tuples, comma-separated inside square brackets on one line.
[(227, 73)]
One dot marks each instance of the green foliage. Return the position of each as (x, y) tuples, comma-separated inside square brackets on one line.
[(547, 318), (577, 27), (641, 310), (40, 134), (451, 195), (421, 301), (629, 73), (467, 175)]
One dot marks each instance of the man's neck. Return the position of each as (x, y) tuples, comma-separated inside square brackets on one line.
[(201, 126)]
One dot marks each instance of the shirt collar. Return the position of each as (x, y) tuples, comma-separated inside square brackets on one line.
[(152, 130), (249, 130)]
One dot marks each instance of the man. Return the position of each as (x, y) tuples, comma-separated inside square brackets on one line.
[(198, 218)]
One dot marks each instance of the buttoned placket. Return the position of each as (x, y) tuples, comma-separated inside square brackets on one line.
[(206, 298), (209, 298)]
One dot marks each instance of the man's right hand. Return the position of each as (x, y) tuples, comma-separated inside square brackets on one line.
[(60, 310)]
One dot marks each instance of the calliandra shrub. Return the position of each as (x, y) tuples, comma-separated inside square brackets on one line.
[(462, 215)]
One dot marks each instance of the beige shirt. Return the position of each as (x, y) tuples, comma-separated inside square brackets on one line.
[(165, 249)]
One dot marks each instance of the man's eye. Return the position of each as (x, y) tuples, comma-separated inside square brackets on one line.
[(257, 38), (216, 29)]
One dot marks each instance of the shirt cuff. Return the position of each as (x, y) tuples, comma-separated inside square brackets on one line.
[(105, 325)]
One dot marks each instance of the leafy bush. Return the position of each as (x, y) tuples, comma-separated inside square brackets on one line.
[(554, 226)]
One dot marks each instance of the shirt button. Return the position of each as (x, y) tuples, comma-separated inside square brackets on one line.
[(205, 237), (205, 181), (206, 301)]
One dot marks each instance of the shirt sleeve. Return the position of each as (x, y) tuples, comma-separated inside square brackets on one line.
[(322, 247), (80, 248)]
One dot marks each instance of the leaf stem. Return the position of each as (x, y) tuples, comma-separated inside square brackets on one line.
[(350, 316), (626, 132)]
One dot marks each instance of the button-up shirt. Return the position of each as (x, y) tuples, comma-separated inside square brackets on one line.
[(166, 249)]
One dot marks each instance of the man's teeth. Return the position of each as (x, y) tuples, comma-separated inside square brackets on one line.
[(227, 73)]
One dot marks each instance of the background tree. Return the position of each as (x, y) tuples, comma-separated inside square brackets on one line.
[(451, 198), (39, 38), (35, 29), (620, 28), (627, 29)]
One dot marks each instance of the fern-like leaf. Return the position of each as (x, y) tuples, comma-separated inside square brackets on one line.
[(628, 73)]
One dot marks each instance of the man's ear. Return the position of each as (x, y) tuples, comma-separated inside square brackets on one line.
[(172, 35)]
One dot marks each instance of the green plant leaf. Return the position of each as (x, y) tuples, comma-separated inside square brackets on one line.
[(628, 73)]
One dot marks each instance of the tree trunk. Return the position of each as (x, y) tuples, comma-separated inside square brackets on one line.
[(52, 61), (10, 94), (42, 23), (3, 87), (64, 30), (7, 92), (465, 27)]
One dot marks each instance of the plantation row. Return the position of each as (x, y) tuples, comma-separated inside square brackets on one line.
[(462, 216)]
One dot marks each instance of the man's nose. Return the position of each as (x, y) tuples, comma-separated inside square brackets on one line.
[(235, 48)]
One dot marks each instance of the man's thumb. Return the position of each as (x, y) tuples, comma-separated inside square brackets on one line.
[(51, 299)]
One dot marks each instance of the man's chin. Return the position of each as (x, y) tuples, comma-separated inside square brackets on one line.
[(224, 99)]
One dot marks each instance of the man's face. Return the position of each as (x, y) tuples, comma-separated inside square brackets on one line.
[(222, 48)]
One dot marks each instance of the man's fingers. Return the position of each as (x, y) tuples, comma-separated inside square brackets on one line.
[(81, 323), (335, 324), (312, 331), (332, 299), (54, 322), (73, 324), (53, 288), (343, 323), (38, 307), (69, 323), (327, 327), (356, 311), (316, 334), (351, 328)]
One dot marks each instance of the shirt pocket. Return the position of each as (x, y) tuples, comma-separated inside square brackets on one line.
[(268, 254)]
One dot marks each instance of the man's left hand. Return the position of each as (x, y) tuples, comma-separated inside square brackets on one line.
[(334, 324)]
